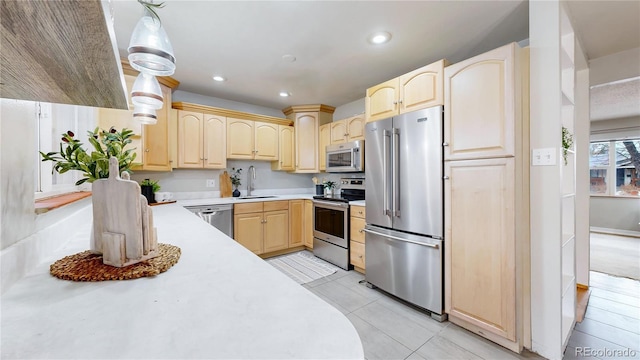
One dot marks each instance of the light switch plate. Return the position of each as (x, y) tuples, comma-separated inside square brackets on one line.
[(211, 183), (544, 157)]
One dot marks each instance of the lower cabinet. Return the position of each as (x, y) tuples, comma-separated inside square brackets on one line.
[(262, 227), (308, 224), (356, 237), (296, 223)]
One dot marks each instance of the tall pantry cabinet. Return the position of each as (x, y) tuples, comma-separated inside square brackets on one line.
[(486, 153)]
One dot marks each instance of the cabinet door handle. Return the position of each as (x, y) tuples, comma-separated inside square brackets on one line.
[(445, 144), (361, 231), (395, 103), (400, 101), (446, 177), (146, 150), (360, 256)]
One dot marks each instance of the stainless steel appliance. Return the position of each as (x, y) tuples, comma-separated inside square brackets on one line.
[(331, 222), (219, 216), (404, 216), (346, 157)]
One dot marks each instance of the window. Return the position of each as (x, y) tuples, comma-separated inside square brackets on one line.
[(615, 167), (51, 121)]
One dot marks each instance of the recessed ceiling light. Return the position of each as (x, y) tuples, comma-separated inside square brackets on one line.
[(218, 78), (288, 58), (284, 94), (380, 37)]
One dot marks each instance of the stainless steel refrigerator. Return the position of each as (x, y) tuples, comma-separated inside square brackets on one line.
[(404, 199)]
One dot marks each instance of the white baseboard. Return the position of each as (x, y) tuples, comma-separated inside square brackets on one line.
[(615, 231)]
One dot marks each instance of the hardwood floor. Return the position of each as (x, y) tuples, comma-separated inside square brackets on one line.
[(611, 327)]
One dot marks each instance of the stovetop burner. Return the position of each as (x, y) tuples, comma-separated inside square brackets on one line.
[(331, 198)]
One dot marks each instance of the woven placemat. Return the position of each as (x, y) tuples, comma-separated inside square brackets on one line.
[(85, 266)]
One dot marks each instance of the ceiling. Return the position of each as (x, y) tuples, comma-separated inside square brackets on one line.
[(245, 41)]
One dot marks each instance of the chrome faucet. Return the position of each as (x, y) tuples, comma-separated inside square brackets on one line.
[(251, 176)]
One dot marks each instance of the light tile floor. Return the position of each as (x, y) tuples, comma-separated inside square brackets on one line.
[(390, 329)]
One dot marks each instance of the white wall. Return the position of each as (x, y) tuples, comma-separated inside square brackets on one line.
[(618, 66), (349, 109), (615, 214)]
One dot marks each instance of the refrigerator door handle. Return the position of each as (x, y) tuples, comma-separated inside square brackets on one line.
[(435, 246), (396, 172), (385, 172)]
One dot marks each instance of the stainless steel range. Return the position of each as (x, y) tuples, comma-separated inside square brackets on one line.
[(331, 222)]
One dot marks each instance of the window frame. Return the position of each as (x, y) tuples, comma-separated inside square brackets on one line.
[(611, 168)]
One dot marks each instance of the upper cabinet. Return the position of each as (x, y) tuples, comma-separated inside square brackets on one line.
[(324, 140), (201, 140), (252, 140), (152, 142), (419, 89), (307, 120), (286, 160), (480, 106), (349, 129)]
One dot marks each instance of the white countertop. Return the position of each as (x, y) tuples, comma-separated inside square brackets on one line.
[(219, 301), (357, 202), (234, 200)]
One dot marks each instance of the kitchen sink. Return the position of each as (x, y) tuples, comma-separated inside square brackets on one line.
[(256, 197)]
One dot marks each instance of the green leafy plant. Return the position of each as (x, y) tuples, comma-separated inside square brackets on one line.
[(151, 8), (235, 176), (567, 143), (94, 165), (328, 184), (153, 183)]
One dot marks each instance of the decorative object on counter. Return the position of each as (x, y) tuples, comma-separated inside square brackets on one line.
[(94, 165), (567, 142), (225, 184), (235, 180), (86, 266), (151, 53), (123, 230), (329, 186), (319, 187), (149, 188)]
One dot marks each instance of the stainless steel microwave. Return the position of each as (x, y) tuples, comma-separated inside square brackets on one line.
[(346, 157)]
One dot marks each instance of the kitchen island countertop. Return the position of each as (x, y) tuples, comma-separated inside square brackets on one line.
[(219, 301)]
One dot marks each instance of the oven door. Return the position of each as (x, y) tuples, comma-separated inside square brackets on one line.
[(331, 222)]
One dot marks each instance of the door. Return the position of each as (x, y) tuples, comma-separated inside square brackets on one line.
[(156, 138), (324, 140), (381, 101), (355, 128), (240, 139), (248, 231), (215, 142), (338, 132), (378, 166), (306, 128), (480, 244), (308, 224), (480, 102), (266, 141), (276, 230), (421, 88), (190, 147), (393, 266), (297, 224), (286, 148), (417, 203)]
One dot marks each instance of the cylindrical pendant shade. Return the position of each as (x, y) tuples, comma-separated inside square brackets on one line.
[(145, 114), (146, 91), (150, 50)]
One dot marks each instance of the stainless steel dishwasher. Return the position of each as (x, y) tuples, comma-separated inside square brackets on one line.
[(219, 216)]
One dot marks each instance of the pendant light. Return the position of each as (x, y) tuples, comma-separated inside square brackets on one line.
[(146, 91), (145, 115), (149, 48)]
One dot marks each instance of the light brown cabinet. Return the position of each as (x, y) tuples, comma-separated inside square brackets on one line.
[(201, 140), (286, 160), (419, 89), (324, 140), (357, 240), (297, 223), (307, 120), (480, 107), (252, 140), (262, 227), (486, 196), (151, 142), (308, 224), (349, 129)]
